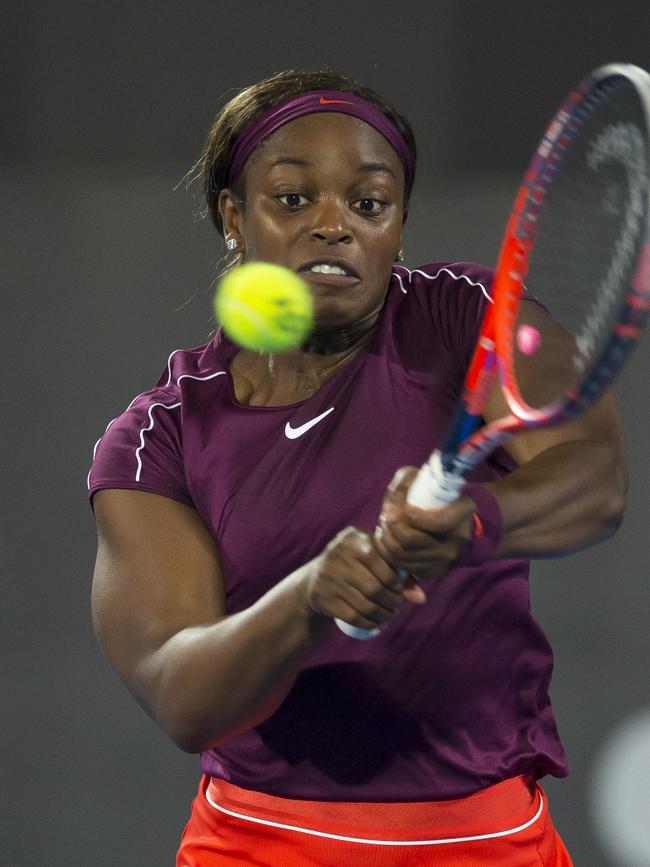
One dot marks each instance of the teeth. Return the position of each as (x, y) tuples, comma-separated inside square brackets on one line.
[(329, 269)]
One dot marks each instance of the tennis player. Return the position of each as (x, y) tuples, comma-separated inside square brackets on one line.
[(237, 502)]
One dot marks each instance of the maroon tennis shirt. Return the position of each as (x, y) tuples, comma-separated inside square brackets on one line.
[(452, 696)]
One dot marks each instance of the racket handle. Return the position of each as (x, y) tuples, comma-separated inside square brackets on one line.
[(355, 631), (432, 488)]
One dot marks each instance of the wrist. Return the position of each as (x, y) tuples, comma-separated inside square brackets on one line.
[(300, 584), (487, 526)]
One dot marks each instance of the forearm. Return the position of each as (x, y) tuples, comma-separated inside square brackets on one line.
[(212, 681), (566, 498)]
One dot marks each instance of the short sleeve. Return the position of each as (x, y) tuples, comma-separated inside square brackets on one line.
[(453, 297), (460, 304), (142, 449), (450, 300)]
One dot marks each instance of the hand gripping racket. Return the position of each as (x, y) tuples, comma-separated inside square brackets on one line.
[(578, 235)]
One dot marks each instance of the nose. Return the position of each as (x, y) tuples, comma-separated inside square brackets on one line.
[(330, 222)]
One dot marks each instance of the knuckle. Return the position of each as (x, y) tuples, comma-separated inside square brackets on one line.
[(381, 596), (369, 588), (349, 540), (402, 476), (372, 606), (363, 545), (389, 540), (340, 539)]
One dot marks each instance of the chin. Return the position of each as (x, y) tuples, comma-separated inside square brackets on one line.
[(332, 315), (335, 313)]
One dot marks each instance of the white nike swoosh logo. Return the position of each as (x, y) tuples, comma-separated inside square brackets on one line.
[(293, 433)]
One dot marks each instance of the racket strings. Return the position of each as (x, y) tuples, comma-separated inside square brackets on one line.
[(585, 220)]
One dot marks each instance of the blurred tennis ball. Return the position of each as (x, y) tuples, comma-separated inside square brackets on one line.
[(264, 307)]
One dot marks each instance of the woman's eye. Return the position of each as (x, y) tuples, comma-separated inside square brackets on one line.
[(370, 206), (293, 200)]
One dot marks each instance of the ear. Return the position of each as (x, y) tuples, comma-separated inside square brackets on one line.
[(232, 216)]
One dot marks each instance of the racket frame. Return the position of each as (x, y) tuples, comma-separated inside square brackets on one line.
[(461, 453), (441, 477)]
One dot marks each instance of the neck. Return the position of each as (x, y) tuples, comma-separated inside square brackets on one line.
[(314, 362), (273, 379), (341, 339)]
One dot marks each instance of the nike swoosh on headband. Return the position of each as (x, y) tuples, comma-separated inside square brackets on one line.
[(324, 101), (293, 433)]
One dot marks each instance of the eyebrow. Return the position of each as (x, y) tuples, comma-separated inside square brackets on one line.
[(376, 167), (292, 161), (366, 168)]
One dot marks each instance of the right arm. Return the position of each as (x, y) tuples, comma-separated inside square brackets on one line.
[(158, 607)]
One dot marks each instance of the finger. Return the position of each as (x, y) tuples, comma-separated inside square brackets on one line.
[(441, 520), (395, 541), (353, 546), (355, 562), (349, 615), (368, 608), (347, 594), (378, 581), (396, 492), (413, 592), (408, 557), (363, 602), (347, 534), (433, 560), (368, 554), (378, 593)]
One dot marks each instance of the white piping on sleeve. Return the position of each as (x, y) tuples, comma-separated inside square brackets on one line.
[(102, 437), (437, 274), (399, 280), (199, 378), (169, 382), (148, 428), (166, 406), (169, 367)]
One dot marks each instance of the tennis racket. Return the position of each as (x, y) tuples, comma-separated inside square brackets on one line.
[(578, 235)]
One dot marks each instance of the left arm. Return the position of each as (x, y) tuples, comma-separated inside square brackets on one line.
[(567, 492)]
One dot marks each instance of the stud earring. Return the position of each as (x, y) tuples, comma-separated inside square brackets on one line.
[(231, 245)]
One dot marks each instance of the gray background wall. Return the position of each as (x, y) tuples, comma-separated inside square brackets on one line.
[(105, 270)]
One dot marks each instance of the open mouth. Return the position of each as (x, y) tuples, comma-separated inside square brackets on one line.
[(337, 269)]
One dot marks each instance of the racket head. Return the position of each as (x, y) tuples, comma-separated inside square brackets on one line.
[(577, 238)]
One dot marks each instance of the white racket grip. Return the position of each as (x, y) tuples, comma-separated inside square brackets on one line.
[(355, 631), (434, 487)]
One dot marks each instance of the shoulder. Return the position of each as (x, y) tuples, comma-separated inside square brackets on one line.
[(446, 299), (199, 363), (440, 279), (142, 447)]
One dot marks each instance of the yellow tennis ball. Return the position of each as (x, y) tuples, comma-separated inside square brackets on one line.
[(264, 307)]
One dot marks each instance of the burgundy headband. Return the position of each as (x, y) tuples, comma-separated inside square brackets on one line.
[(312, 102)]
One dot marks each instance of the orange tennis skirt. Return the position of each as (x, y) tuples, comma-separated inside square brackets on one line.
[(506, 824)]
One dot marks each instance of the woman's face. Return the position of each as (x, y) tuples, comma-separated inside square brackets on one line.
[(325, 198)]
